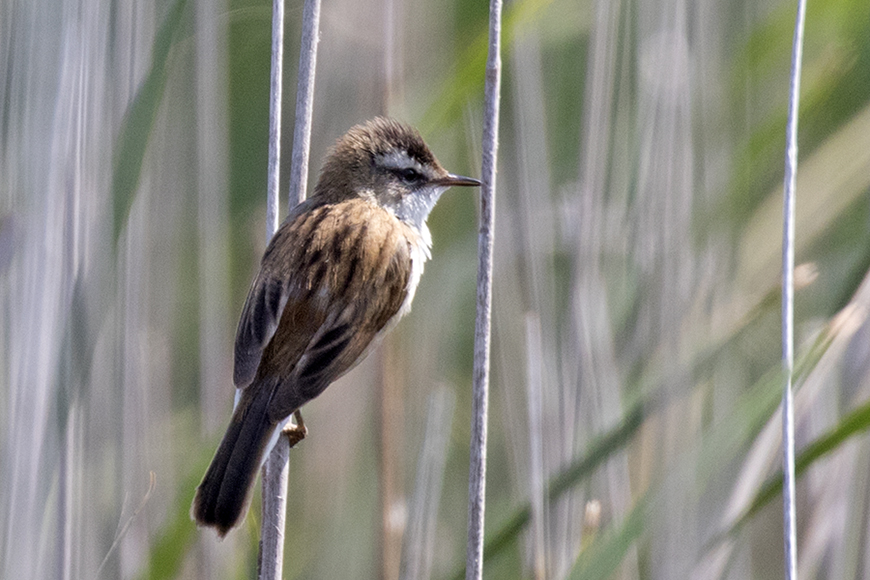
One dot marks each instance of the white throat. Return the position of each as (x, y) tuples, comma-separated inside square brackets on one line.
[(414, 209)]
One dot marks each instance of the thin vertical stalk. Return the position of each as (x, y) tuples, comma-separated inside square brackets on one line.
[(275, 91), (304, 101), (480, 388), (534, 392), (788, 213), (276, 469)]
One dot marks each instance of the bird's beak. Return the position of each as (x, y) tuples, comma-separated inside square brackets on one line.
[(451, 180)]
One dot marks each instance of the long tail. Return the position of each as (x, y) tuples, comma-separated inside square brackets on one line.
[(222, 498)]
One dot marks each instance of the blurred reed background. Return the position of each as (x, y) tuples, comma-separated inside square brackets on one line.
[(636, 315)]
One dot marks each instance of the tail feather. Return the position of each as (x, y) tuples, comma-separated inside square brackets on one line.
[(222, 498)]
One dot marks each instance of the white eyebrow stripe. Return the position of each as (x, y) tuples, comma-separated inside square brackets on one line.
[(399, 159)]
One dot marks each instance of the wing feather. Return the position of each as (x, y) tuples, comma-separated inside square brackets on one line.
[(311, 324), (272, 288), (259, 321)]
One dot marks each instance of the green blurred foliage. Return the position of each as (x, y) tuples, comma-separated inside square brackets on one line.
[(697, 383)]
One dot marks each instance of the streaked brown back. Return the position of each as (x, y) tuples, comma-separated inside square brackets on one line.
[(331, 275)]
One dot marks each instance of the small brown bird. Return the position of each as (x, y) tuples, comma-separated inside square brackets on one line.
[(339, 273)]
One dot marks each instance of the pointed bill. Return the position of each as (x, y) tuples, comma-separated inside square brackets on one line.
[(451, 180)]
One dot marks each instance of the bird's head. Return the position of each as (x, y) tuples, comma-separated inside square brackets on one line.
[(388, 163)]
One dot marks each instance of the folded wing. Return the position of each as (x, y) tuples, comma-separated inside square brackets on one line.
[(326, 289)]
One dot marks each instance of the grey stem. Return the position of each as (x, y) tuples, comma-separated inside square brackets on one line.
[(480, 387)]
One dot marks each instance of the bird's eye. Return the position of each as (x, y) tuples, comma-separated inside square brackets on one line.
[(409, 175)]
